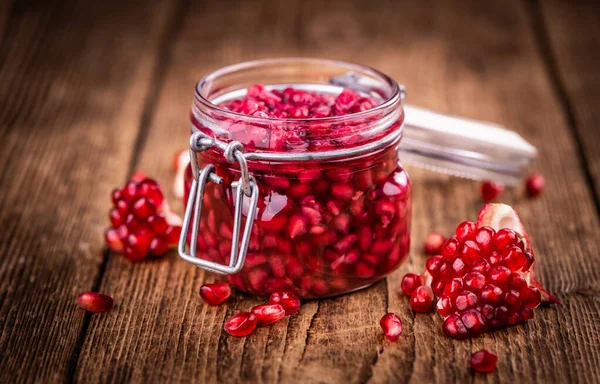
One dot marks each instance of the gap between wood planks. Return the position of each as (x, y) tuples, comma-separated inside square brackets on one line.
[(542, 38), (163, 60)]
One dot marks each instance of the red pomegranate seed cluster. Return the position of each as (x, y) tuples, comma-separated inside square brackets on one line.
[(482, 278), (322, 228), (140, 221), (280, 305), (298, 104)]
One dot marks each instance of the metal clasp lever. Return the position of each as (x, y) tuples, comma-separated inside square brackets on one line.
[(245, 186)]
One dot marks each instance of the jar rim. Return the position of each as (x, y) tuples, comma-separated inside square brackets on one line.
[(395, 97)]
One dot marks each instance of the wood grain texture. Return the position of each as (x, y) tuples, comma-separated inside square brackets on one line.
[(477, 59), (164, 332), (73, 81), (572, 32)]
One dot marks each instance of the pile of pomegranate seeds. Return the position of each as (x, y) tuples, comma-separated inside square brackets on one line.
[(534, 185), (491, 190), (95, 302), (142, 222), (280, 305), (391, 326), (298, 104), (434, 242), (216, 293), (483, 361), (483, 278)]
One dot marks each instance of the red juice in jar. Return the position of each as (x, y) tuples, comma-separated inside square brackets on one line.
[(333, 201)]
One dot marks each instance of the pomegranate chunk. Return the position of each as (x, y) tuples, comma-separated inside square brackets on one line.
[(267, 314), (95, 302), (241, 324), (433, 243), (289, 301), (216, 293), (491, 190), (484, 278), (391, 326), (483, 361), (534, 185), (142, 222)]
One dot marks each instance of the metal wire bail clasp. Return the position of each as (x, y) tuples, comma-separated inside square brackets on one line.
[(245, 186)]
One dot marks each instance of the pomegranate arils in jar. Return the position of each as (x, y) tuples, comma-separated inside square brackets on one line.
[(434, 243), (491, 190), (267, 314), (483, 361), (392, 326), (534, 185), (241, 324), (410, 282), (142, 222), (215, 293), (289, 301), (95, 302), (485, 276)]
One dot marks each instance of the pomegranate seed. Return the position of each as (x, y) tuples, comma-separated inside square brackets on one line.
[(410, 282), (466, 231), (113, 241), (158, 246), (534, 185), (453, 327), (392, 326), (241, 324), (483, 361), (450, 249), (267, 314), (215, 293), (421, 299), (491, 190), (288, 301), (95, 302), (297, 226), (433, 243)]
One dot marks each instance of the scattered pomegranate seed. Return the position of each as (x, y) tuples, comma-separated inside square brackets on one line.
[(392, 326), (241, 324), (95, 302), (484, 277), (142, 222), (215, 293), (289, 301), (410, 282), (491, 190), (267, 314), (434, 242), (534, 185), (483, 361), (421, 299)]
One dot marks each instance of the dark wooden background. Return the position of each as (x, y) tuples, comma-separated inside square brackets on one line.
[(92, 90)]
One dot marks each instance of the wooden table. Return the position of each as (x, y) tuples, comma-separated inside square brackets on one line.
[(90, 92)]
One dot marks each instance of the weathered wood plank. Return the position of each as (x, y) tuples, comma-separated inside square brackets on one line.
[(464, 58), (572, 30), (73, 82)]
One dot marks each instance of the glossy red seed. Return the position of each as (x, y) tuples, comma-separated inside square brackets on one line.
[(421, 299), (466, 231), (499, 274), (534, 185), (241, 324), (410, 282), (483, 361), (451, 248), (215, 293), (454, 327), (491, 190), (465, 300), (433, 265), (113, 241), (485, 238), (392, 326), (505, 237), (267, 314), (433, 243), (158, 246), (95, 302), (289, 301)]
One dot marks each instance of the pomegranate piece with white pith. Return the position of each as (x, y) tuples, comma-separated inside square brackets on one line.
[(142, 224), (322, 228), (484, 277)]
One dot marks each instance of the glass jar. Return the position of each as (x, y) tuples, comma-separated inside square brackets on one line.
[(319, 206)]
